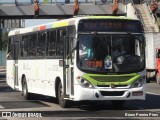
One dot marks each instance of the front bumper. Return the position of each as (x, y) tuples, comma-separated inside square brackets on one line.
[(108, 94)]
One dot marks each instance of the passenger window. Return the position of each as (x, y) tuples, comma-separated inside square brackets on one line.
[(59, 47), (32, 49), (51, 43), (10, 48), (41, 44), (24, 46)]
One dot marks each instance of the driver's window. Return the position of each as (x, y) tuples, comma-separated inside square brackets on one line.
[(118, 47), (85, 46), (101, 46)]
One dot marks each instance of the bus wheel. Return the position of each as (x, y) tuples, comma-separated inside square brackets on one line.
[(118, 103), (148, 77), (26, 95), (62, 102), (158, 78)]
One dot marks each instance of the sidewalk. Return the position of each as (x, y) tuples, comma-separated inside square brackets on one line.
[(2, 70)]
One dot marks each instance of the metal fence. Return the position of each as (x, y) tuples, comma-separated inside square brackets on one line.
[(3, 58), (59, 1), (49, 1), (12, 23), (68, 1)]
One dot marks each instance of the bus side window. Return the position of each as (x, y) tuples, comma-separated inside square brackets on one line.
[(32, 46), (41, 44), (24, 46), (10, 48), (51, 49)]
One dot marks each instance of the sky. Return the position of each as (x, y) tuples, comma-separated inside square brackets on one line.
[(33, 22)]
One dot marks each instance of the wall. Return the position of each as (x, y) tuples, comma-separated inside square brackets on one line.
[(131, 11), (2, 58)]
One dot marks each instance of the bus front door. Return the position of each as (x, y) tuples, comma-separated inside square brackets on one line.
[(67, 69), (16, 51)]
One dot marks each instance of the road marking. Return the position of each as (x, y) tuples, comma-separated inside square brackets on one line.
[(152, 93), (1, 107)]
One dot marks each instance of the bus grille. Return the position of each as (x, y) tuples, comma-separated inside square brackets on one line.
[(112, 93), (120, 86), (103, 85), (111, 78)]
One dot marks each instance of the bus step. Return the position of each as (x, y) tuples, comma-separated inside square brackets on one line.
[(66, 97), (16, 87)]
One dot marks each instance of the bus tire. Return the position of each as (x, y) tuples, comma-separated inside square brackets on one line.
[(147, 80), (26, 95), (62, 102), (118, 103), (148, 77)]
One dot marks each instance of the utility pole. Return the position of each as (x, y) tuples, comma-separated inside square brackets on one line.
[(0, 35), (0, 43)]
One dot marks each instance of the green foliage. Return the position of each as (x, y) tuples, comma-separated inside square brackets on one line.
[(4, 40)]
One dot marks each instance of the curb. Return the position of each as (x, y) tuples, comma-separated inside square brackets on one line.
[(3, 74), (2, 70)]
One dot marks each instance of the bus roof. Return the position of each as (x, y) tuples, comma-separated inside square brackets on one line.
[(61, 23)]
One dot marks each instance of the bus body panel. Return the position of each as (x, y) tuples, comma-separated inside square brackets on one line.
[(53, 71), (42, 72), (40, 75)]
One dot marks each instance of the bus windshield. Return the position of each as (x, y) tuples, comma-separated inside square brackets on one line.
[(111, 52)]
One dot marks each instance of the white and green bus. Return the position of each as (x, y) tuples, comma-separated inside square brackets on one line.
[(95, 58)]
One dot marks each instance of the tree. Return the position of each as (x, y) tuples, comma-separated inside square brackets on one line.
[(4, 40)]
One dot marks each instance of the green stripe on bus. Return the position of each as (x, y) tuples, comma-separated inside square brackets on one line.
[(124, 79)]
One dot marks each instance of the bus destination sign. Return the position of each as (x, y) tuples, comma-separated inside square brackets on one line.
[(110, 25)]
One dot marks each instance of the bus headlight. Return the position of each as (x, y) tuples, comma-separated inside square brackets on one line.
[(138, 83), (84, 83)]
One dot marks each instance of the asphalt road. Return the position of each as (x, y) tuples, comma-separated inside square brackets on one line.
[(13, 103)]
